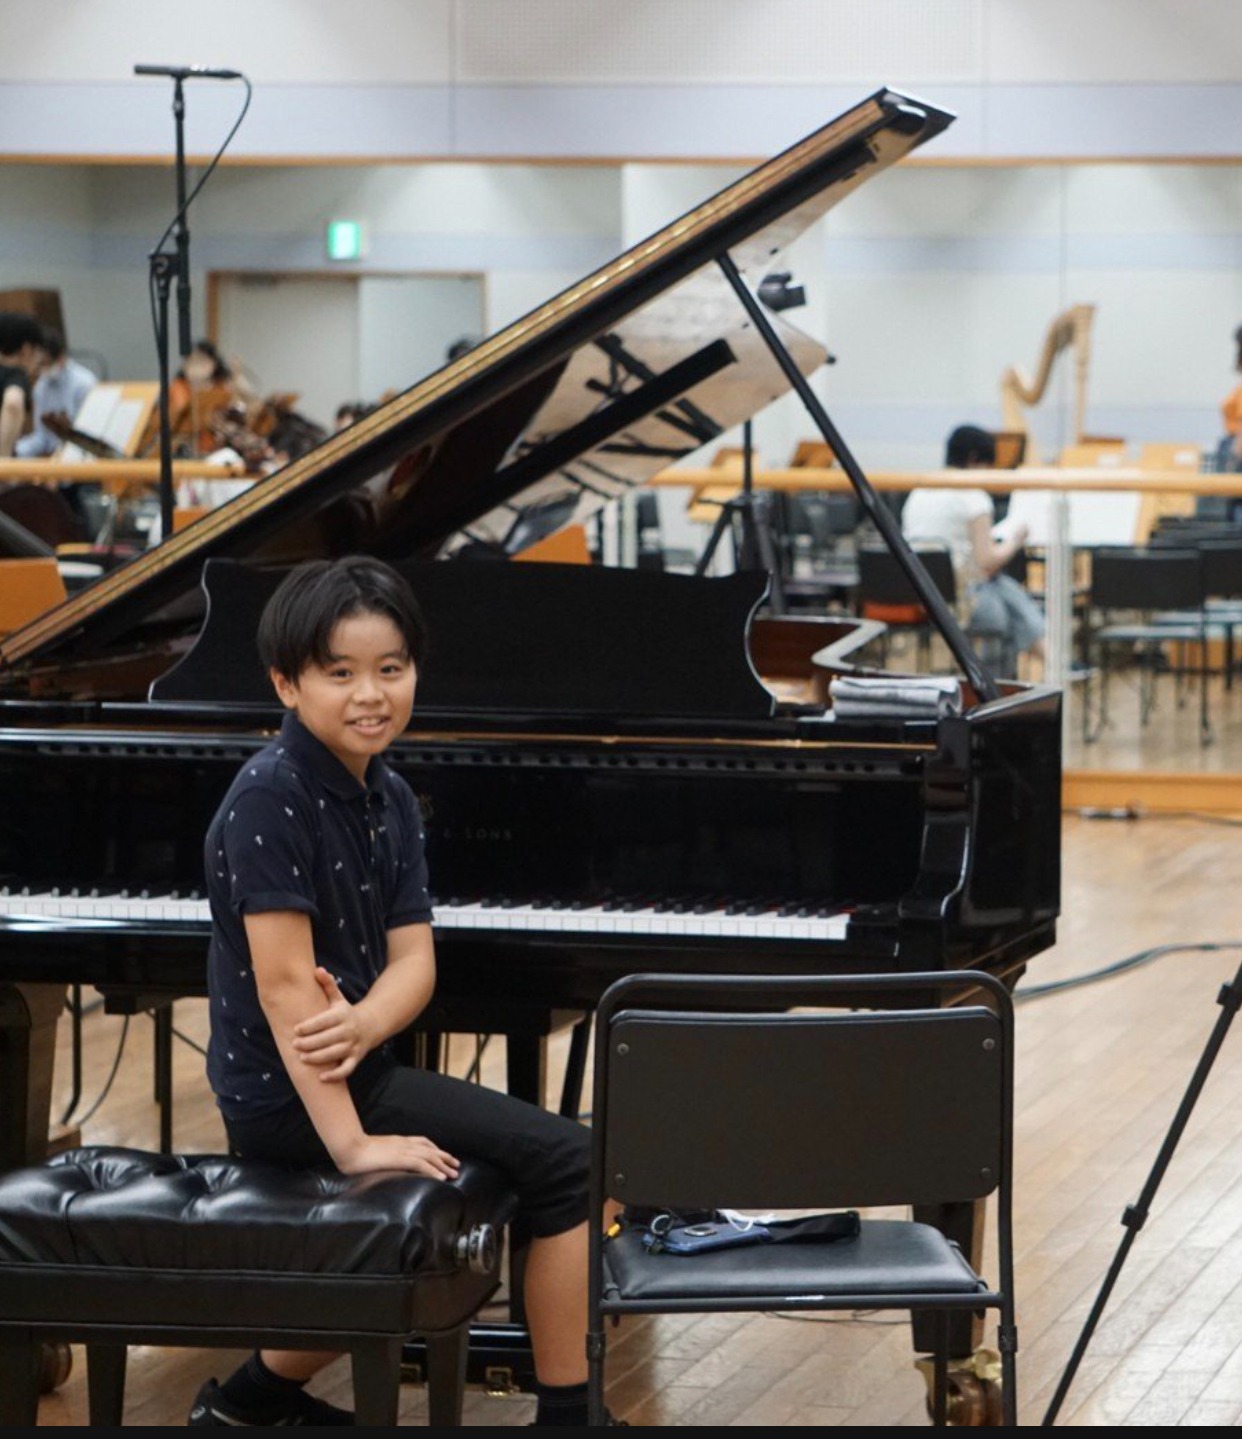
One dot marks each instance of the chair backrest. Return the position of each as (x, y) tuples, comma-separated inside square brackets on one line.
[(881, 580), (28, 587), (738, 1107), (1187, 455), (1010, 448), (1154, 579), (1222, 567), (1191, 531), (1099, 453), (825, 517)]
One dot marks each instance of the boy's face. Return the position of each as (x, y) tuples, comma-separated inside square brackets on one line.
[(361, 701)]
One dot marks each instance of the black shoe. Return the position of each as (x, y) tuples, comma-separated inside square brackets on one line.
[(210, 1409)]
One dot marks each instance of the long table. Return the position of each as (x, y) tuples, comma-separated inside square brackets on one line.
[(115, 476)]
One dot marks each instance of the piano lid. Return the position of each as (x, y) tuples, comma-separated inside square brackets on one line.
[(634, 367)]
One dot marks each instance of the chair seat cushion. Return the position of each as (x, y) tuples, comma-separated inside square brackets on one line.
[(887, 1257)]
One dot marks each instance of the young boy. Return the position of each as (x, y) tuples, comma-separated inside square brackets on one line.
[(321, 951)]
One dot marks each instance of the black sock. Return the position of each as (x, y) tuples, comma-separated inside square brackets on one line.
[(254, 1386), (561, 1404)]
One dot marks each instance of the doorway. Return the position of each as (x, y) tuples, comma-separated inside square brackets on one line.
[(333, 338)]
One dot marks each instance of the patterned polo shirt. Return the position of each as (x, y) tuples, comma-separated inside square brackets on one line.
[(297, 831)]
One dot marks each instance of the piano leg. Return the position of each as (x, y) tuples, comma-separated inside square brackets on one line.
[(28, 1018), (973, 1396), (963, 1224)]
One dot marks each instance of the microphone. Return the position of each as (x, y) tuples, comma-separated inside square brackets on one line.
[(188, 72)]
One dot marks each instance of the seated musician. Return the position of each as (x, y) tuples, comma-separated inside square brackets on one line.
[(58, 392), (1229, 450), (349, 412), (962, 520), (321, 951), (21, 358), (203, 387)]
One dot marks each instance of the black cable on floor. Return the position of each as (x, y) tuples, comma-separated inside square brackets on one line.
[(1131, 811), (185, 1039), (107, 1086), (1121, 966)]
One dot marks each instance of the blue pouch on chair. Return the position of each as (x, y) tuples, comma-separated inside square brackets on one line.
[(667, 1233)]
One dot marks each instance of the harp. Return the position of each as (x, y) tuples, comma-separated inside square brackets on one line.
[(1070, 330)]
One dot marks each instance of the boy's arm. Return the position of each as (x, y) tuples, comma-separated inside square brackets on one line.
[(283, 956), (337, 1038)]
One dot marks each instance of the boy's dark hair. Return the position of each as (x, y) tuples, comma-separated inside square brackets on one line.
[(17, 330), (969, 445), (297, 622)]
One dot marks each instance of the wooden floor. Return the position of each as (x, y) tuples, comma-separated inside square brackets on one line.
[(1101, 1069)]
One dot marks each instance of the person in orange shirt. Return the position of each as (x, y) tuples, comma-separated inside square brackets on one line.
[(1229, 451), (199, 391)]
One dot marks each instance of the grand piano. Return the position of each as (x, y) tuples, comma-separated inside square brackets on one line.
[(608, 777)]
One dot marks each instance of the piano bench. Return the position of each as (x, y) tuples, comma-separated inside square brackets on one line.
[(110, 1247)]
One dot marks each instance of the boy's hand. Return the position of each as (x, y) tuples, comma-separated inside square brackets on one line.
[(335, 1040), (410, 1153)]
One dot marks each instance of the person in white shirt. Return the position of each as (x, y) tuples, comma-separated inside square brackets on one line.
[(60, 389), (962, 520)]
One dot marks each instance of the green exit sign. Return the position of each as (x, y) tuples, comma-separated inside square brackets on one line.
[(344, 240)]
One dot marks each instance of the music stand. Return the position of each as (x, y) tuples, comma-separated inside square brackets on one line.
[(754, 543)]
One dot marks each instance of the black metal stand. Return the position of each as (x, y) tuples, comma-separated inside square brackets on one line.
[(1135, 1216), (754, 545), (164, 266)]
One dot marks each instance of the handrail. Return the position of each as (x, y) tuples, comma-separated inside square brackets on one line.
[(1028, 477)]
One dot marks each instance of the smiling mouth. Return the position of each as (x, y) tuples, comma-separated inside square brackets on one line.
[(369, 722)]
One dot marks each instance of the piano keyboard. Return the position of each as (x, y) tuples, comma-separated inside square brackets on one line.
[(119, 909)]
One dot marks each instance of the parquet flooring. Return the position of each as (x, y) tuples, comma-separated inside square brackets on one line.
[(1100, 1071)]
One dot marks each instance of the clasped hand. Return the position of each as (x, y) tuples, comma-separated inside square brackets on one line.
[(334, 1040)]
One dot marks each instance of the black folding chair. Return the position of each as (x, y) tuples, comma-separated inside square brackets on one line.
[(1159, 597), (885, 593), (750, 1104)]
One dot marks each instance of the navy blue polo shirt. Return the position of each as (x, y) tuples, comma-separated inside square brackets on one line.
[(297, 831)]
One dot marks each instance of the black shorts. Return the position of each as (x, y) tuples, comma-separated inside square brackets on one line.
[(545, 1157)]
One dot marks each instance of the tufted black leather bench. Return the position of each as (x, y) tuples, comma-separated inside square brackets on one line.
[(111, 1247)]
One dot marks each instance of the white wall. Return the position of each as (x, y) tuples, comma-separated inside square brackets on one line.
[(925, 284), (87, 230), (674, 79)]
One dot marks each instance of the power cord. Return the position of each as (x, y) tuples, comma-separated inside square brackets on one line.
[(1134, 811), (107, 1084), (1121, 966)]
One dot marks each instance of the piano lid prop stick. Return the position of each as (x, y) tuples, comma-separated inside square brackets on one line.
[(930, 597)]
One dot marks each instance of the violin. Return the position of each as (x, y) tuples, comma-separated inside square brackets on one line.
[(63, 428)]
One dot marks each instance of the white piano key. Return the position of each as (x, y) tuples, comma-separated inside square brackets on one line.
[(49, 905)]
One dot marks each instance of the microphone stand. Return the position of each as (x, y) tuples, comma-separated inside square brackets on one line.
[(164, 266), (755, 549)]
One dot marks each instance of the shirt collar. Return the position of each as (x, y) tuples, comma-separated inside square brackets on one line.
[(325, 766)]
